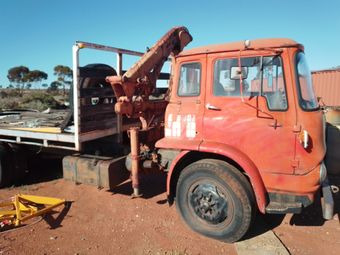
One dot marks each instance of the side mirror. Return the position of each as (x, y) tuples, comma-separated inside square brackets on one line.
[(236, 71), (321, 102)]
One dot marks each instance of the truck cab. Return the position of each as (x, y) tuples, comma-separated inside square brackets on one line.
[(246, 109)]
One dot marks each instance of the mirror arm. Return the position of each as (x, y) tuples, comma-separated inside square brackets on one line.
[(260, 110), (261, 75), (241, 80)]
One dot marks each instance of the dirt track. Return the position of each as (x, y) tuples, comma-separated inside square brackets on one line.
[(106, 222)]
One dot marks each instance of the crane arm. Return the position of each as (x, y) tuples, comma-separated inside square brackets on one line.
[(141, 78)]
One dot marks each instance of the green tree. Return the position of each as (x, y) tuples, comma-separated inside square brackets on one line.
[(23, 77), (54, 86), (64, 76), (36, 76), (19, 76)]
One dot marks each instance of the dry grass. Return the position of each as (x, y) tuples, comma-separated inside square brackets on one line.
[(30, 99)]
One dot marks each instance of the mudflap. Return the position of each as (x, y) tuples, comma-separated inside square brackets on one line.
[(103, 172), (327, 201)]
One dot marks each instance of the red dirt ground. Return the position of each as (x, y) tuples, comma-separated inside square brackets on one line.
[(106, 222)]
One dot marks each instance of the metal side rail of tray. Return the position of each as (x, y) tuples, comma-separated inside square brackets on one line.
[(57, 140)]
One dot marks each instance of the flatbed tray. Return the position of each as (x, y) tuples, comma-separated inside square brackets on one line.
[(49, 121)]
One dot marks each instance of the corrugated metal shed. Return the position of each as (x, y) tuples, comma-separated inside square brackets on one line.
[(327, 85)]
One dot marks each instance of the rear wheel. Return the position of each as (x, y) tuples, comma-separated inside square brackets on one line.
[(13, 163), (5, 171), (215, 200)]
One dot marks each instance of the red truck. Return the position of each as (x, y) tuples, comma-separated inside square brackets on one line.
[(238, 130)]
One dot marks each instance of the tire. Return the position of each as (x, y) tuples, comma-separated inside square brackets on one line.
[(215, 199), (100, 71), (5, 170), (93, 77)]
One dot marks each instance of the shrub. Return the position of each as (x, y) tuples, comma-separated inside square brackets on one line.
[(39, 101), (35, 100), (9, 103), (14, 93), (3, 94)]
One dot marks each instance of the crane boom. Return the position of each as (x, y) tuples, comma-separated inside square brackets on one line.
[(140, 79)]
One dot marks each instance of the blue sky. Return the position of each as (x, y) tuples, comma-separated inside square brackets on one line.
[(40, 33)]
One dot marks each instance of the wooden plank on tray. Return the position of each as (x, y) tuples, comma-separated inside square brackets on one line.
[(54, 130)]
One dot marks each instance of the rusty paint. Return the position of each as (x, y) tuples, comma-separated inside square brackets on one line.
[(142, 76), (135, 169), (260, 141), (233, 126), (257, 44)]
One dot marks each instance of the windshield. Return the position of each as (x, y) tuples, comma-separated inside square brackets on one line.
[(307, 97)]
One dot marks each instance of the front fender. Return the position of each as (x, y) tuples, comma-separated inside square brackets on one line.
[(172, 167), (245, 163), (235, 155)]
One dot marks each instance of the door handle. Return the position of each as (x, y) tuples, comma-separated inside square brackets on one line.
[(275, 124), (212, 107)]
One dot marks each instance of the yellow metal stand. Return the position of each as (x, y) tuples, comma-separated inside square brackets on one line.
[(24, 207)]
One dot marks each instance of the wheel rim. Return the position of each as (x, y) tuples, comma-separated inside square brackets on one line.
[(211, 203)]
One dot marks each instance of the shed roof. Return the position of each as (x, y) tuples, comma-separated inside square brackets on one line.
[(327, 85)]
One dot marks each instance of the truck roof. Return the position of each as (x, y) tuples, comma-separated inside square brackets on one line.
[(236, 46)]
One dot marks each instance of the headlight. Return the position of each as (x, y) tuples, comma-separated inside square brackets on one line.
[(323, 172)]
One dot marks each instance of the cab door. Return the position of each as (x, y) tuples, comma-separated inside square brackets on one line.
[(253, 114), (184, 114), (309, 153)]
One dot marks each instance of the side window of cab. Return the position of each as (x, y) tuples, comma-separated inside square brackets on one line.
[(189, 80)]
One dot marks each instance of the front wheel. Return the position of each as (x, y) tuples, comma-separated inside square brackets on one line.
[(215, 200)]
